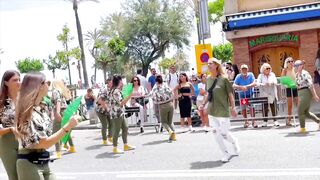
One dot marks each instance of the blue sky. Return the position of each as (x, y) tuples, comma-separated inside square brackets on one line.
[(28, 28)]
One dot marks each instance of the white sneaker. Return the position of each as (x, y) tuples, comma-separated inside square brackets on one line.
[(276, 124), (226, 157), (190, 128), (264, 124), (236, 147), (205, 128)]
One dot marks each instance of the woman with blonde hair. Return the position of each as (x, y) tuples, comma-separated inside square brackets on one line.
[(267, 82), (10, 87), (33, 130), (60, 95), (292, 93), (221, 106)]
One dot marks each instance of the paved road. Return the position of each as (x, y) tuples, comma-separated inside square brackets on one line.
[(266, 153)]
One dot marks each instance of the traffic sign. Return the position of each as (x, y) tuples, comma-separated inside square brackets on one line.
[(203, 54)]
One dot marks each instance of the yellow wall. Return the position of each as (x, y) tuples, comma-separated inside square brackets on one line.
[(235, 6)]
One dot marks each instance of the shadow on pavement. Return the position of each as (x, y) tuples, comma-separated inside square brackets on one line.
[(155, 142), (297, 134), (108, 155), (205, 164), (93, 147)]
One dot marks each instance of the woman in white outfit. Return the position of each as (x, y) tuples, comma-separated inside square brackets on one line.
[(267, 83), (221, 105)]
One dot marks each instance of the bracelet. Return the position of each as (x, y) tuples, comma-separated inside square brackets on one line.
[(65, 130)]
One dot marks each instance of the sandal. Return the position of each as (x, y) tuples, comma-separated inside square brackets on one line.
[(246, 125), (288, 123), (254, 125)]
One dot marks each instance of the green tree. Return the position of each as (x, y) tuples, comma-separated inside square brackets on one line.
[(150, 27), (109, 54), (95, 41), (29, 65), (215, 10), (223, 52), (80, 38), (54, 63), (66, 54), (166, 63)]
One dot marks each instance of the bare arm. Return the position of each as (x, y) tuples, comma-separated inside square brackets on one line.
[(4, 131), (232, 105), (46, 143)]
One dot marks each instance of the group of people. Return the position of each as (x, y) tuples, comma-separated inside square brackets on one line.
[(31, 120)]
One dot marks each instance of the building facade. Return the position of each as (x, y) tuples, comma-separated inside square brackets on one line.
[(270, 31)]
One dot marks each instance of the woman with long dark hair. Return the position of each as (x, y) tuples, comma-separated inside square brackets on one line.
[(33, 130), (10, 86), (184, 91), (116, 104)]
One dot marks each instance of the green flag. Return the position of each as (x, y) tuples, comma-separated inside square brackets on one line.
[(127, 90), (68, 113), (287, 81)]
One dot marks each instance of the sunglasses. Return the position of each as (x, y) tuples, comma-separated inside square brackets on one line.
[(290, 61), (46, 82), (297, 65), (268, 68), (135, 80)]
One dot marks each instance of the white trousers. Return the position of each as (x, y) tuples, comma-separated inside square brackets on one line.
[(221, 126)]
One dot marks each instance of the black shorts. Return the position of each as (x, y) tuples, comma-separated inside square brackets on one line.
[(294, 92)]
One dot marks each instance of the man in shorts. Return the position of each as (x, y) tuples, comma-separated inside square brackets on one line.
[(244, 83)]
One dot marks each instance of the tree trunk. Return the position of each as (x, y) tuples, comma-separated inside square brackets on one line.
[(54, 73), (145, 69), (70, 82), (79, 70), (104, 68), (80, 38)]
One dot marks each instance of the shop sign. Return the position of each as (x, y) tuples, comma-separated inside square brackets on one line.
[(273, 39)]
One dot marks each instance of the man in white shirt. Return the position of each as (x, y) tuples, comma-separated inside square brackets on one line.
[(143, 80), (173, 81)]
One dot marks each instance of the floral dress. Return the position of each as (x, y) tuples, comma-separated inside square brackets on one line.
[(7, 114), (116, 111), (103, 94), (161, 94), (58, 97), (39, 126), (304, 80)]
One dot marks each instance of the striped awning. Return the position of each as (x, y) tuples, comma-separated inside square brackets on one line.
[(303, 12)]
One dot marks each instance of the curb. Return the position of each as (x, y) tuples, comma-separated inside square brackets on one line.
[(95, 126)]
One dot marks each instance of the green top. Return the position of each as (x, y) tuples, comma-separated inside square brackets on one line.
[(220, 105)]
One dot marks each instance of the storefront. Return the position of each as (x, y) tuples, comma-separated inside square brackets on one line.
[(272, 35)]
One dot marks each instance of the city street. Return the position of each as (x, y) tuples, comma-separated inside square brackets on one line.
[(266, 153)]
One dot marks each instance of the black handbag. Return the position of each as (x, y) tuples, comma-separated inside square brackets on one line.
[(36, 157)]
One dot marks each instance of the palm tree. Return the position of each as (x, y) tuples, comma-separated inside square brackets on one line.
[(83, 59), (95, 42)]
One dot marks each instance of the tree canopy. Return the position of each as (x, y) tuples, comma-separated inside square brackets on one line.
[(149, 28), (223, 52), (215, 9), (29, 65)]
